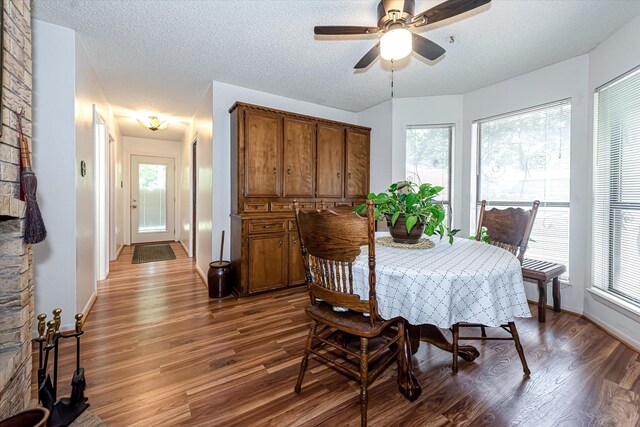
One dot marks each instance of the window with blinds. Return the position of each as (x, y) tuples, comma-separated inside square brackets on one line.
[(525, 156), (428, 159), (616, 198)]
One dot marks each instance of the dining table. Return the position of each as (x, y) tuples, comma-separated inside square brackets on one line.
[(435, 288)]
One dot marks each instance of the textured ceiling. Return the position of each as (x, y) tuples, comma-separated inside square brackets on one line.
[(160, 55)]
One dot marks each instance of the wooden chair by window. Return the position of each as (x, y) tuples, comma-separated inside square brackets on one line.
[(330, 243), (509, 229)]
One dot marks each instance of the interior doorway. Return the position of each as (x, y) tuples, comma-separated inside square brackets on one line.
[(152, 199), (194, 196)]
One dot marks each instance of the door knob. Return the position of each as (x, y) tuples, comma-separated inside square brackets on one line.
[(134, 206)]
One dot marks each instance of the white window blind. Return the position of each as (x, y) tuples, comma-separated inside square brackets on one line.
[(525, 156), (428, 159), (616, 213)]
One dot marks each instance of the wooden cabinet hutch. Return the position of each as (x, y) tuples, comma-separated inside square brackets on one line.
[(276, 157)]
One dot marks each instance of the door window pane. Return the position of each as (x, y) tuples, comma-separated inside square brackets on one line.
[(152, 206)]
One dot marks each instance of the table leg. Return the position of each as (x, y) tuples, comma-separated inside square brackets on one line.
[(433, 335), (407, 382), (542, 301), (556, 294)]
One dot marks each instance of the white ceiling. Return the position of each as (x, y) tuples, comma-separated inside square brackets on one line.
[(160, 56)]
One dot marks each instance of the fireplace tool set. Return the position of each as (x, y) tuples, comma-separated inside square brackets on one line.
[(66, 409)]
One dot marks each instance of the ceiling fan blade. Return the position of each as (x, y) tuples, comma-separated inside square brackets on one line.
[(446, 10), (426, 48), (368, 58), (337, 30)]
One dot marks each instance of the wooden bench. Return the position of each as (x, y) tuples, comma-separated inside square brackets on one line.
[(543, 272)]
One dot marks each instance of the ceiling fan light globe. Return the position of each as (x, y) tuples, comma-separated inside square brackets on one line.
[(396, 44)]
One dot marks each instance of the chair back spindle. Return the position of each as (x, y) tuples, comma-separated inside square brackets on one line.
[(330, 242)]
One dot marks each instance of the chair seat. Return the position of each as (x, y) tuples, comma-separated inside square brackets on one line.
[(351, 322)]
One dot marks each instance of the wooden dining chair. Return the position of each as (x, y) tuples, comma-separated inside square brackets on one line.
[(330, 242), (508, 229)]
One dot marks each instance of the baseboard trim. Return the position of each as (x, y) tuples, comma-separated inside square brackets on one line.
[(87, 308), (119, 251), (184, 247), (601, 325), (574, 313), (202, 276)]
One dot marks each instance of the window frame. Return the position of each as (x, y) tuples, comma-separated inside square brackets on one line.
[(452, 132), (524, 204), (614, 202)]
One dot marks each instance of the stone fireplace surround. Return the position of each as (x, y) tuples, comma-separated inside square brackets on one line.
[(16, 274)]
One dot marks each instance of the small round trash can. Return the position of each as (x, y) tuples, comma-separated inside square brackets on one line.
[(220, 279)]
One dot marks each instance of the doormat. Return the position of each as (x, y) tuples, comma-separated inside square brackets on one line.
[(152, 253)]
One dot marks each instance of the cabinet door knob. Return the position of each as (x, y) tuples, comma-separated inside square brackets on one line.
[(280, 243), (275, 171), (349, 175), (338, 174), (288, 171)]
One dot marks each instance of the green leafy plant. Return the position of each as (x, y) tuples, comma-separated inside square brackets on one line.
[(484, 236), (416, 203)]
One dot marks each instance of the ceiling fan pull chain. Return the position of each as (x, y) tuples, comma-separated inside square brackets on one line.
[(392, 79)]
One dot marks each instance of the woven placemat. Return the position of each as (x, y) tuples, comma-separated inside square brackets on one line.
[(423, 243)]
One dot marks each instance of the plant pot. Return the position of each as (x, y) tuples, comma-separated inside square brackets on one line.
[(399, 231), (34, 417)]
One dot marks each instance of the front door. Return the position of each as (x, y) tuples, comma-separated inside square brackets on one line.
[(152, 199)]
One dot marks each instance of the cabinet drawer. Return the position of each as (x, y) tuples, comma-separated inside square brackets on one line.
[(324, 205), (280, 206), (306, 205), (267, 226), (256, 206), (343, 204)]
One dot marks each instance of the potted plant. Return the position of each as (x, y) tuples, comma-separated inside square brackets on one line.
[(410, 211)]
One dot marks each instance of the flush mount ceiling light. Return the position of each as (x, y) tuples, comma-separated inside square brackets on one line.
[(152, 123)]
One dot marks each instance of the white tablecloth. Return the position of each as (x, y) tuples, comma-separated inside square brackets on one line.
[(468, 281)]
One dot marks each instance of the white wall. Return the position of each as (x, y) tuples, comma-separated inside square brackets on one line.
[(612, 58), (55, 166), (200, 127), (147, 147), (379, 119), (224, 96), (429, 110), (87, 94), (65, 91), (567, 79)]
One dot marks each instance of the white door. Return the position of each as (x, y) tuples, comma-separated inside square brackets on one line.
[(152, 199)]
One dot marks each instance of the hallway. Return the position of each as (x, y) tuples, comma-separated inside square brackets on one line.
[(157, 351)]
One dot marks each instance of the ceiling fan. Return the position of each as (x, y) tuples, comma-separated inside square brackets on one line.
[(395, 20)]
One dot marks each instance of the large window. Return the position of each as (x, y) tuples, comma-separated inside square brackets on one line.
[(429, 159), (522, 157), (616, 225)]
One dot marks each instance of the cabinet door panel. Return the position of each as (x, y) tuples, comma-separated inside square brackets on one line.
[(296, 261), (357, 158), (299, 143), (267, 262), (330, 163), (263, 144)]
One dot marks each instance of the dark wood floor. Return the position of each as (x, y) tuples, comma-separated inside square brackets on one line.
[(157, 351)]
